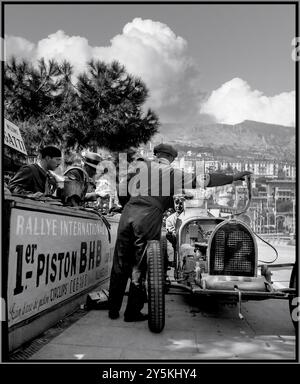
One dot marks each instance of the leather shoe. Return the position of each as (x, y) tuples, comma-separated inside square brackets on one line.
[(113, 315), (137, 317)]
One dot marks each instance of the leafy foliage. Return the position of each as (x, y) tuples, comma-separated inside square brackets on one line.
[(110, 102), (101, 107)]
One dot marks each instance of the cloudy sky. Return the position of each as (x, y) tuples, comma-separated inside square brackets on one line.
[(201, 62)]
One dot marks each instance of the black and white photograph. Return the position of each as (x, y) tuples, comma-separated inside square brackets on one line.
[(149, 185)]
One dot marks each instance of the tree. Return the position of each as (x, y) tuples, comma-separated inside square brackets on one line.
[(111, 107), (102, 108), (17, 90), (30, 98)]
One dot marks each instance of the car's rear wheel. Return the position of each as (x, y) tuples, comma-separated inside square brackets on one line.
[(293, 301), (155, 286)]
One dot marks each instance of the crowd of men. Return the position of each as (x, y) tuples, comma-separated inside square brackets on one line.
[(40, 180)]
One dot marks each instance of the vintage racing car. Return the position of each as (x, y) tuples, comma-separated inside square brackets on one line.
[(215, 256)]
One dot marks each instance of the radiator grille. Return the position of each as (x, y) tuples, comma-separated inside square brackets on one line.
[(232, 251)]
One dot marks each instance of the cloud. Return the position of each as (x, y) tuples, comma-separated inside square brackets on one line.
[(148, 49), (235, 102), (18, 47), (57, 46), (60, 46), (153, 52)]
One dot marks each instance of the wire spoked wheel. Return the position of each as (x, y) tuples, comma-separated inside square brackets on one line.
[(155, 286)]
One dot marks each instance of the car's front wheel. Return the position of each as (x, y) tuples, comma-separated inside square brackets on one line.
[(155, 286)]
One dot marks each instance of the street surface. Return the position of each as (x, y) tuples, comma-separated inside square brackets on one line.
[(196, 329), (193, 331)]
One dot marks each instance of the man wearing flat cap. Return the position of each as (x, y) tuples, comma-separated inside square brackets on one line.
[(151, 189), (79, 180), (167, 149)]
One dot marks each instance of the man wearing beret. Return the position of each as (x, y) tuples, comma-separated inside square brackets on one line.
[(151, 189)]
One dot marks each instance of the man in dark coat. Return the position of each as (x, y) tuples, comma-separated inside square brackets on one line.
[(36, 180), (151, 190)]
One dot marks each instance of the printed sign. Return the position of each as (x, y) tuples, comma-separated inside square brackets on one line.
[(13, 138), (51, 258)]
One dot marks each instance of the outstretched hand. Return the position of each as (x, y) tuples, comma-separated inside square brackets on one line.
[(241, 175), (103, 195), (91, 196), (116, 209)]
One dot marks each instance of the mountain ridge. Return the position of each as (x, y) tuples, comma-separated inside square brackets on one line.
[(247, 138)]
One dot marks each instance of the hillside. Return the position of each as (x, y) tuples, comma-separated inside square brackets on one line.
[(249, 138)]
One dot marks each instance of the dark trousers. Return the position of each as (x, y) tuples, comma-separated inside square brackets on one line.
[(172, 239), (138, 224)]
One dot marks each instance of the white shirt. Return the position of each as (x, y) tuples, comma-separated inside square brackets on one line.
[(171, 222)]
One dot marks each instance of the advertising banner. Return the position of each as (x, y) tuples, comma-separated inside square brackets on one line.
[(52, 258), (13, 138)]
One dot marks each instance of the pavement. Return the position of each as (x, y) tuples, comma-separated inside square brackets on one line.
[(195, 329)]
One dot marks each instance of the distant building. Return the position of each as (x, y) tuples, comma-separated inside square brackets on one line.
[(268, 168), (281, 189)]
